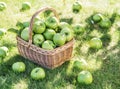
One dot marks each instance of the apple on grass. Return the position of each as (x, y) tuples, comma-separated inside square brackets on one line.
[(2, 32), (25, 6), (3, 52), (95, 43), (97, 17), (76, 7), (78, 28), (39, 27), (49, 33), (105, 23), (18, 67), (59, 39), (48, 45), (25, 34), (68, 33), (51, 22), (85, 77), (3, 6), (38, 73), (38, 39)]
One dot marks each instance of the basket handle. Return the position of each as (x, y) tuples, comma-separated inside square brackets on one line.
[(32, 20)]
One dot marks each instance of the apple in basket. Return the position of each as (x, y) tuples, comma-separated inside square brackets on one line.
[(39, 26), (38, 73), (52, 22), (25, 34), (63, 25), (18, 67), (49, 33), (59, 39), (38, 39), (25, 6), (68, 33), (3, 6), (48, 45)]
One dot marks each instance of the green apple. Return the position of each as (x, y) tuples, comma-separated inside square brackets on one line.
[(47, 13), (39, 27), (18, 67), (49, 33), (48, 45), (85, 77), (2, 32), (97, 17), (68, 33), (95, 43), (76, 7), (3, 6), (38, 73), (52, 22), (38, 39), (37, 18), (26, 6), (5, 49), (80, 64), (59, 39), (78, 28), (25, 34), (3, 52), (63, 25), (105, 23)]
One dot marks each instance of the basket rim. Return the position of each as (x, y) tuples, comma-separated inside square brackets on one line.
[(25, 43)]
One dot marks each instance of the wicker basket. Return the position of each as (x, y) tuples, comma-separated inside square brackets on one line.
[(46, 58)]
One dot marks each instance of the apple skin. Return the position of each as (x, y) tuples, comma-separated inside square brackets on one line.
[(2, 53), (76, 7), (49, 33), (97, 17), (48, 45), (26, 6), (78, 29), (18, 67), (105, 23), (85, 77), (68, 33), (59, 39), (51, 22), (38, 39), (95, 43), (39, 27), (3, 6), (38, 73), (25, 34), (2, 32)]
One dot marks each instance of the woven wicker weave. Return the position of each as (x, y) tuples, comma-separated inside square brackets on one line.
[(46, 58)]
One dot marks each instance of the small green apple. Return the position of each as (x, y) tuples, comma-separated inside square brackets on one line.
[(49, 33), (26, 6), (52, 22), (48, 45), (64, 25), (38, 73), (68, 33), (39, 27), (105, 23), (95, 43), (18, 67), (85, 77), (2, 32), (78, 28), (76, 7), (3, 6), (97, 17), (2, 52), (59, 39), (25, 34), (38, 39)]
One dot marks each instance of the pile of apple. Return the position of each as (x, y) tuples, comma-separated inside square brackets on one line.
[(48, 33)]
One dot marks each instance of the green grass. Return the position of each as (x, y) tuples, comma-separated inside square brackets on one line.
[(104, 64)]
